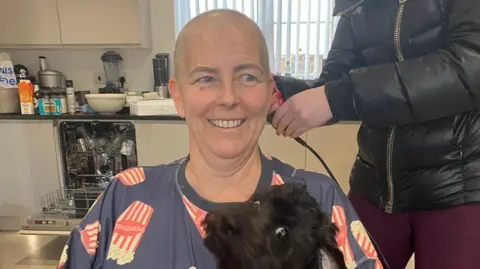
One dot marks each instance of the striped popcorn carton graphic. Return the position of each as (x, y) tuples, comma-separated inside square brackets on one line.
[(197, 215), (63, 258), (339, 218), (131, 177), (128, 232), (89, 237), (363, 240), (277, 179)]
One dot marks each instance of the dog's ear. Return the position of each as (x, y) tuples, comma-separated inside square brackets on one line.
[(329, 230), (219, 230)]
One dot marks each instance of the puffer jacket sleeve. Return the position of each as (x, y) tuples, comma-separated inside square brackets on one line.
[(342, 58), (437, 85)]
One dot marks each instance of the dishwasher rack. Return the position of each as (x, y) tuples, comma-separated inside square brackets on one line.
[(63, 209)]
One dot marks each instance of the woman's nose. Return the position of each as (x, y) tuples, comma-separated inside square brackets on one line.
[(227, 95)]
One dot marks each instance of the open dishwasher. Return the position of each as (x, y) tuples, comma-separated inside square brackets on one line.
[(91, 153)]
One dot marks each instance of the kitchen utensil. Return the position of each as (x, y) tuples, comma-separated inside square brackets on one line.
[(112, 62), (127, 147), (162, 91), (106, 103), (82, 145), (161, 69), (42, 60), (49, 79), (115, 144)]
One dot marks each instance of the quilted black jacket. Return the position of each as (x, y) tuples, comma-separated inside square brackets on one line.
[(410, 71)]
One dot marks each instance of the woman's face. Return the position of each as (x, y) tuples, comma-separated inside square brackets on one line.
[(224, 93)]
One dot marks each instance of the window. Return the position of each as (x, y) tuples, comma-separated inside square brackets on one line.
[(298, 32)]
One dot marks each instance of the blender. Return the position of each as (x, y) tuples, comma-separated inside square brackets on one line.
[(112, 63)]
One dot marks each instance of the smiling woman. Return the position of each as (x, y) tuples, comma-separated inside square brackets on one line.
[(224, 91), (222, 84)]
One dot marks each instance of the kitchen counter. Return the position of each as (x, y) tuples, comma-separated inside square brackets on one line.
[(32, 167), (89, 117), (113, 117)]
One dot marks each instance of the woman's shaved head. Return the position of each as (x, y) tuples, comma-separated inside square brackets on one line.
[(216, 25)]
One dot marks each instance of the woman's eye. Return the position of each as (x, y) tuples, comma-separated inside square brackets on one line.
[(206, 80), (249, 79)]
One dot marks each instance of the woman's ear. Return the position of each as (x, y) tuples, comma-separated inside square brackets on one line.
[(175, 93)]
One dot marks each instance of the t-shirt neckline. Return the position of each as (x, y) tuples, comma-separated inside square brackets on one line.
[(189, 192)]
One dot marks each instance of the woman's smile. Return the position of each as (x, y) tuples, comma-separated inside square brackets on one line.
[(227, 124)]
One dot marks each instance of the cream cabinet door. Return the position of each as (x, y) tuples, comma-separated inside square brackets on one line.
[(285, 149), (94, 22), (160, 143), (337, 145), (29, 22), (29, 169)]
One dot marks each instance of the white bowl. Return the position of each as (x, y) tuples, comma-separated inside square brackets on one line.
[(106, 103)]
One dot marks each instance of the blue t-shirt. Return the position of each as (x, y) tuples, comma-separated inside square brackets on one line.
[(150, 217)]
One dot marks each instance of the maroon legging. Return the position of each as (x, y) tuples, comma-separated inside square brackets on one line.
[(441, 239)]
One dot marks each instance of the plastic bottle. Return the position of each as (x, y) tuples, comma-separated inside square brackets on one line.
[(70, 97), (63, 103), (288, 69), (36, 98)]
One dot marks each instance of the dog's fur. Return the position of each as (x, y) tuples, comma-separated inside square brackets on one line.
[(252, 235)]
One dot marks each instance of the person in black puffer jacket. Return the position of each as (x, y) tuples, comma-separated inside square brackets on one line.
[(409, 70)]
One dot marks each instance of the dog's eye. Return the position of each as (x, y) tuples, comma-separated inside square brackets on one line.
[(281, 232)]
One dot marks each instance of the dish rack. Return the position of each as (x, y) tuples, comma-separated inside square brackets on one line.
[(92, 153), (96, 151), (63, 209)]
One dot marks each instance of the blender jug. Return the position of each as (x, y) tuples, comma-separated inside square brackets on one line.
[(111, 64)]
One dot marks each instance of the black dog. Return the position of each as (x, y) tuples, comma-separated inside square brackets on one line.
[(281, 228)]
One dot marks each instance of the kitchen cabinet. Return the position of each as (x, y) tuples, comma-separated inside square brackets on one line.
[(337, 145), (159, 143), (285, 149), (29, 22), (29, 169), (104, 22)]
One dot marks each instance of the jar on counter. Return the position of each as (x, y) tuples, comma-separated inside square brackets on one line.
[(44, 105), (55, 104)]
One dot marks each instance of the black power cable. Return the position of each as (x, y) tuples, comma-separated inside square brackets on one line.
[(307, 146)]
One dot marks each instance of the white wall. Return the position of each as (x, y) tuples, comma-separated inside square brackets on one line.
[(80, 65)]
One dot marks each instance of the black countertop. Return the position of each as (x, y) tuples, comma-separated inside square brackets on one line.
[(118, 117), (89, 117)]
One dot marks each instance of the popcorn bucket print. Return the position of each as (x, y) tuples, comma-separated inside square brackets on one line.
[(63, 258), (131, 176), (277, 180), (197, 215), (339, 218), (128, 232), (363, 240), (89, 237)]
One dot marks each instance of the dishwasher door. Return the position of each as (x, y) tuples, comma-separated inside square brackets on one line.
[(108, 147), (62, 211)]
